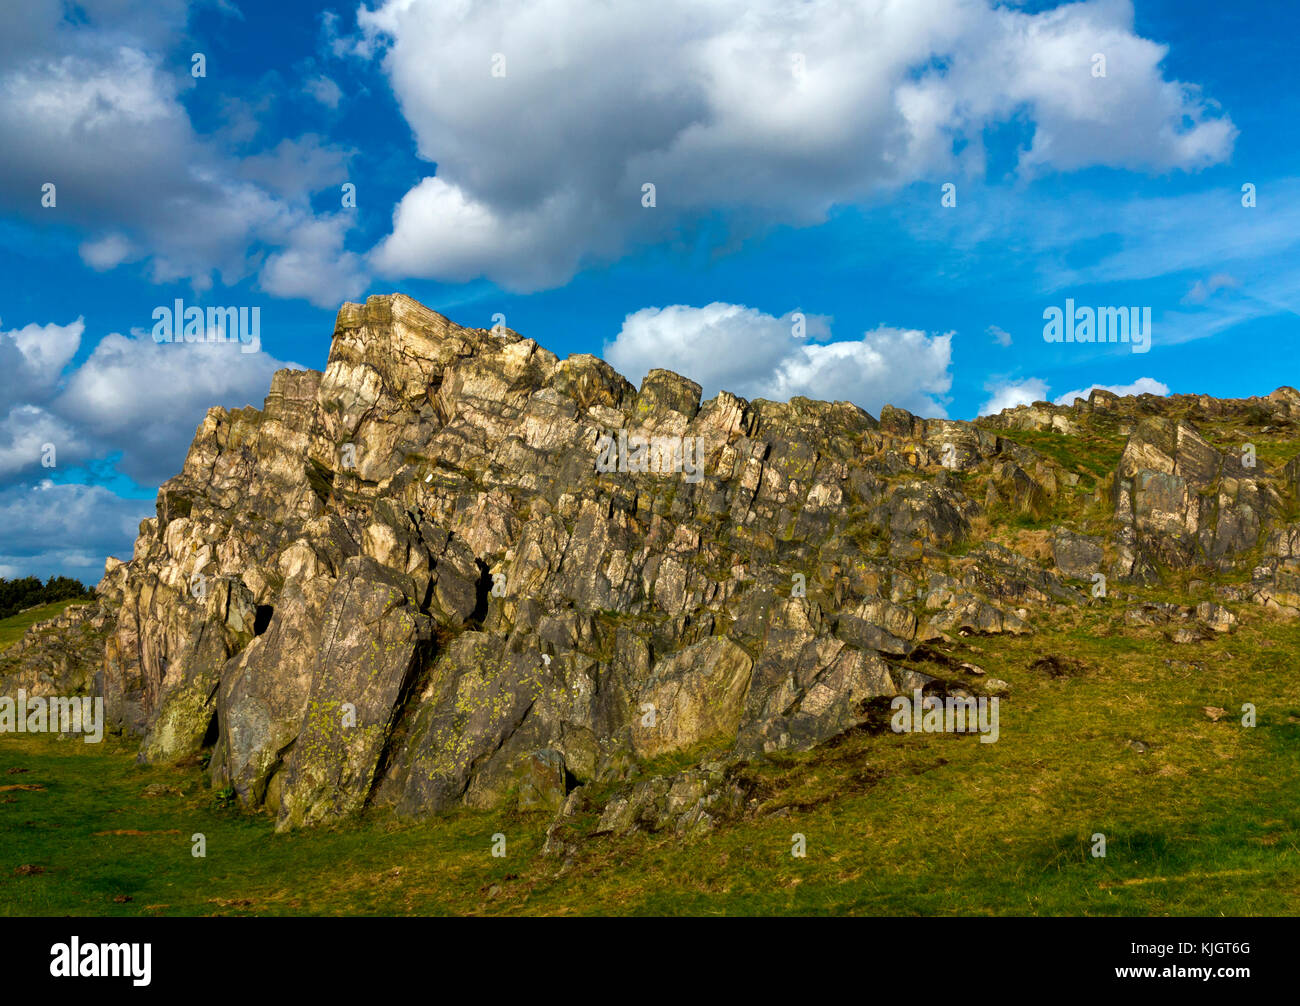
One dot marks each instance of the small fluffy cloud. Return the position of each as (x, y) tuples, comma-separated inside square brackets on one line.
[(108, 252), (31, 437), (769, 111), (755, 355), (324, 90), (440, 232), (1203, 289), (1000, 335), (146, 399), (314, 264), (1009, 395), (131, 409)]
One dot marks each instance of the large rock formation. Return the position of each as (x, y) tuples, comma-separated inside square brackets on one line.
[(413, 581)]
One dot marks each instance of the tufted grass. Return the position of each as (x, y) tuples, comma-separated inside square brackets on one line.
[(1203, 821)]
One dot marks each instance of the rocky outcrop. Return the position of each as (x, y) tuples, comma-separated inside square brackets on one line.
[(1180, 502), (63, 655), (1076, 555), (453, 569), (1191, 488)]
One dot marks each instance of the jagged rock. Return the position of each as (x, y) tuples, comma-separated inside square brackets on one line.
[(406, 583), (1154, 613), (1179, 501), (690, 803), (1207, 618), (371, 646), (694, 695), (541, 781), (1078, 556), (59, 656), (1216, 617), (1183, 634)]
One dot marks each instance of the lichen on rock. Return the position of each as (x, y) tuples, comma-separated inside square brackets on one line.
[(404, 583)]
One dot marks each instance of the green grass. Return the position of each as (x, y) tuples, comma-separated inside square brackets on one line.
[(1093, 454), (1204, 822), (1272, 450), (13, 627)]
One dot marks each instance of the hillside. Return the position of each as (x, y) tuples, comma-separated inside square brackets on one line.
[(15, 626), (446, 590)]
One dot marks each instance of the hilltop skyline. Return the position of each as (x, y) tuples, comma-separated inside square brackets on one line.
[(846, 206)]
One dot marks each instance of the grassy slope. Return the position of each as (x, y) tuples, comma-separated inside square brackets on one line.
[(1204, 822), (13, 627)]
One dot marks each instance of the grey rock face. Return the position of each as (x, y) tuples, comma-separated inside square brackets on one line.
[(408, 582), (1076, 555)]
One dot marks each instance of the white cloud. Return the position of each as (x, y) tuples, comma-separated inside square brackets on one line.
[(25, 433), (314, 265), (130, 409), (146, 399), (66, 529), (441, 233), (722, 346), (324, 90), (1010, 394), (108, 252), (33, 357), (1142, 386), (99, 114), (541, 169), (131, 395), (1203, 290), (1000, 335), (742, 350)]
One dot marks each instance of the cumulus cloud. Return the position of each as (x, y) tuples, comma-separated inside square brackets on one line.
[(33, 357), (770, 111), (126, 414), (106, 253), (1000, 335), (28, 432), (146, 399), (50, 529), (314, 264), (1010, 394), (94, 109), (1142, 386), (439, 232), (755, 355), (131, 396)]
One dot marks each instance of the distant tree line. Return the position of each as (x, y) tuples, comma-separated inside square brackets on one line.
[(18, 595)]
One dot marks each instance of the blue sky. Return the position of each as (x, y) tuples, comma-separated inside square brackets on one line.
[(799, 152)]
